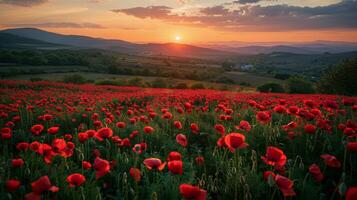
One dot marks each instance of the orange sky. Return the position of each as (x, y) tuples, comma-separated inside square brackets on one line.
[(149, 21)]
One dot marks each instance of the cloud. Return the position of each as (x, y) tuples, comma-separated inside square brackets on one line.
[(246, 1), (59, 25), (247, 17), (24, 3), (216, 10), (146, 12)]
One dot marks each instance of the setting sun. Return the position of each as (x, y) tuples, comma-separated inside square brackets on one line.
[(178, 38)]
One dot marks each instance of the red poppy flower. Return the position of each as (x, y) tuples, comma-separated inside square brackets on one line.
[(244, 126), (139, 148), (174, 155), (125, 142), (293, 109), (134, 134), (220, 128), (331, 161), (37, 129), (263, 117), (104, 133), (75, 180), (6, 133), (53, 130), (181, 139), (235, 141), (192, 192), (17, 162), (200, 160), (91, 133), (120, 124), (22, 146), (47, 117), (86, 165), (316, 172), (135, 173), (274, 157), (285, 185), (148, 129), (266, 175), (82, 137), (175, 166), (43, 184), (178, 124), (194, 128), (12, 185), (309, 128), (280, 109), (351, 193), (290, 126), (188, 105), (352, 146), (101, 166), (151, 163)]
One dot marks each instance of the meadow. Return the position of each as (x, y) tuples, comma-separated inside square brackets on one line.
[(65, 141)]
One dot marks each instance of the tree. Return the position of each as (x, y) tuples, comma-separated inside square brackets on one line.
[(197, 86), (75, 78), (340, 79), (271, 87), (298, 85)]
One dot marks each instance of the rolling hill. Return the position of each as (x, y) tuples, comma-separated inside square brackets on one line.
[(167, 49), (13, 41)]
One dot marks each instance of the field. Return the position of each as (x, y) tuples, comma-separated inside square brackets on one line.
[(106, 142)]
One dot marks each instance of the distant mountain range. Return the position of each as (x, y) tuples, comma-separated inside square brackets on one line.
[(36, 38), (30, 37)]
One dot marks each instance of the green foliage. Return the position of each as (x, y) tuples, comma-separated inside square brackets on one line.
[(35, 79), (159, 83), (298, 85), (244, 84), (282, 76), (227, 65), (75, 78), (340, 80), (111, 82), (225, 80), (197, 86), (136, 82), (181, 86), (271, 87)]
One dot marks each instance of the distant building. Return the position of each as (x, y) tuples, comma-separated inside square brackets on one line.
[(244, 67)]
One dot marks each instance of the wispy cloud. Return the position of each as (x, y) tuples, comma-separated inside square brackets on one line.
[(254, 17), (59, 25), (24, 3)]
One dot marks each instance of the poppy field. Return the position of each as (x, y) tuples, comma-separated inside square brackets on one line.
[(64, 141)]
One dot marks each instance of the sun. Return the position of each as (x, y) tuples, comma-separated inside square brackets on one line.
[(178, 38)]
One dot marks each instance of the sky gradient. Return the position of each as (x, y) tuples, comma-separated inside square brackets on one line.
[(195, 21)]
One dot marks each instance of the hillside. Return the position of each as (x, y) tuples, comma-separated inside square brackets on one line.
[(14, 41), (168, 49)]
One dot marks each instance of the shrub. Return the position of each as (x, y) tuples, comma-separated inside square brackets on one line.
[(225, 80), (75, 78), (35, 79), (298, 85), (181, 86), (282, 76), (271, 87), (340, 80), (158, 83), (244, 84), (111, 82), (135, 81), (197, 86)]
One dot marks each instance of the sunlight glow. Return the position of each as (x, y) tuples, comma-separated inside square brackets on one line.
[(178, 38)]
